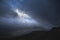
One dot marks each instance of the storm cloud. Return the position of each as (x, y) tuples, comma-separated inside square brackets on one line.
[(44, 13)]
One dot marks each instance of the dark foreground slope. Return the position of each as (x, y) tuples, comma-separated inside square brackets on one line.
[(54, 34)]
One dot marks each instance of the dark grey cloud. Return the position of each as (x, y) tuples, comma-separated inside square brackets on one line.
[(45, 12), (46, 9)]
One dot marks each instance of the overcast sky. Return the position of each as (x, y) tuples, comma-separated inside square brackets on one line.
[(45, 12)]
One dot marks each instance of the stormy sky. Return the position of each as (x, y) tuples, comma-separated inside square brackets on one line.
[(43, 14)]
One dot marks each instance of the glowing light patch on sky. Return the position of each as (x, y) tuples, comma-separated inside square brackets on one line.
[(24, 18), (21, 14)]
